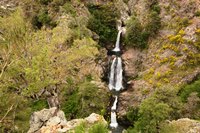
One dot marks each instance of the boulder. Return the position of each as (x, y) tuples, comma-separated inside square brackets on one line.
[(51, 116), (56, 127), (53, 121)]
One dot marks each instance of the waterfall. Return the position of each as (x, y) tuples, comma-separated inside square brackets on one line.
[(113, 123), (118, 41), (115, 80), (114, 107), (112, 75)]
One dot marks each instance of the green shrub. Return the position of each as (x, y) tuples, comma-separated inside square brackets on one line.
[(45, 2), (99, 128), (137, 35), (184, 22), (132, 115), (71, 106), (151, 113), (188, 89), (39, 105), (154, 25), (103, 22), (86, 99), (197, 13), (163, 104), (80, 128), (68, 8), (42, 19), (39, 15)]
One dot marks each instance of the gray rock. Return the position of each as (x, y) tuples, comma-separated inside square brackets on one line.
[(51, 116)]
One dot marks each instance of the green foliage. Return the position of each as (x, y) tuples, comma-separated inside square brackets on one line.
[(45, 2), (151, 114), (14, 28), (103, 22), (42, 14), (72, 106), (80, 128), (188, 89), (83, 101), (155, 23), (197, 13), (191, 108), (43, 17), (184, 22), (99, 128), (137, 34), (132, 115), (39, 105), (68, 8), (33, 60), (163, 104)]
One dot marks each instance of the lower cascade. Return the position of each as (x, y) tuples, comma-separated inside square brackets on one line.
[(115, 79)]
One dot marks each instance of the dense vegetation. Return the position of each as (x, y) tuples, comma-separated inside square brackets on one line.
[(39, 62), (138, 33), (103, 22), (165, 104)]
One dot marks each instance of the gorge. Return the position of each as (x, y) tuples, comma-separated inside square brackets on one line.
[(65, 67)]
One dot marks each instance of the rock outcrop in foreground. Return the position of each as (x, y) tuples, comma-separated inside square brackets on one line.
[(53, 120)]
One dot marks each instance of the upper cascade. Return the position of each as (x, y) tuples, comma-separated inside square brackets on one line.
[(117, 48)]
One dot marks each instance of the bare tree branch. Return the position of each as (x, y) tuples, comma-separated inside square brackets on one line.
[(11, 107)]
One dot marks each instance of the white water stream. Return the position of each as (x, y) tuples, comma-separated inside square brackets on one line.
[(115, 80)]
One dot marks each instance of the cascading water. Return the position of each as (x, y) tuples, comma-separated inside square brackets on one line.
[(118, 41), (115, 80), (114, 107)]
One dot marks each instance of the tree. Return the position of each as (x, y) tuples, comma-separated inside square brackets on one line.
[(163, 104), (35, 64)]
